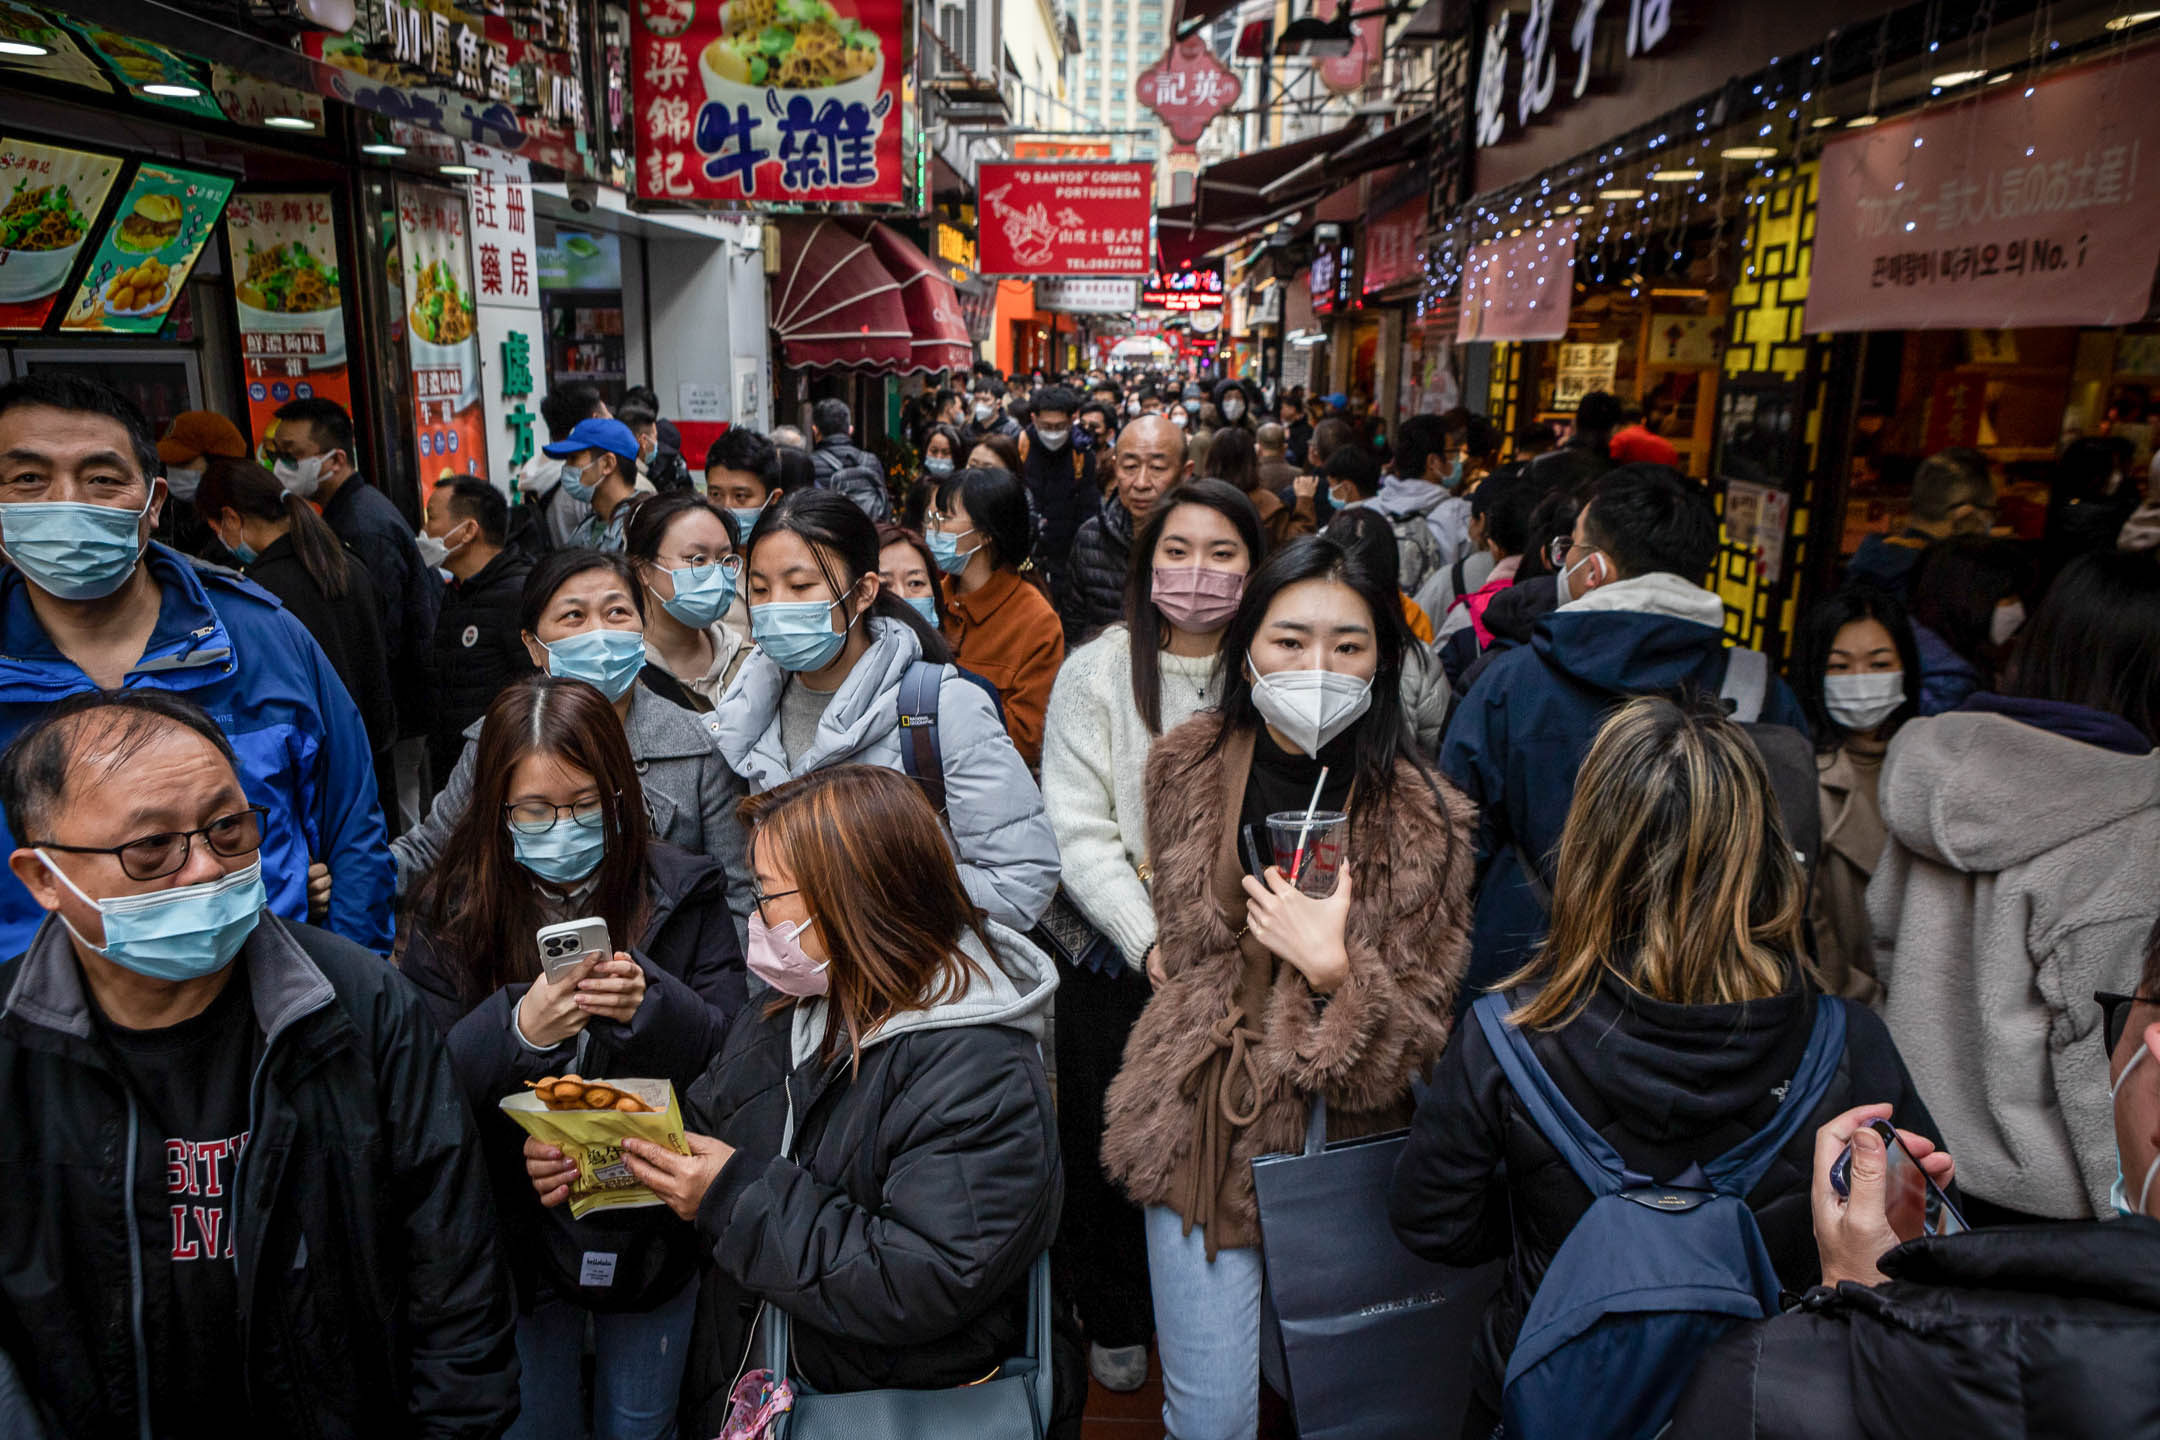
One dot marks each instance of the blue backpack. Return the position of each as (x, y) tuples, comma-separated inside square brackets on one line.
[(1654, 1272)]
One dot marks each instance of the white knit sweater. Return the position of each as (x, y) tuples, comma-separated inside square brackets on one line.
[(1095, 751)]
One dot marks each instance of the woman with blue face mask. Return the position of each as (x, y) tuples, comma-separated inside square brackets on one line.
[(696, 625), (557, 831), (824, 688), (998, 619), (584, 617)]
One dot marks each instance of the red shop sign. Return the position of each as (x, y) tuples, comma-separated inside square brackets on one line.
[(1187, 88), (739, 100), (1077, 219)]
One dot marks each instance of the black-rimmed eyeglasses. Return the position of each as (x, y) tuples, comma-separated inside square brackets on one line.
[(153, 857)]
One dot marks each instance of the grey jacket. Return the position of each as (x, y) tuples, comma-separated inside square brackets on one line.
[(690, 796), (2018, 879), (1007, 854)]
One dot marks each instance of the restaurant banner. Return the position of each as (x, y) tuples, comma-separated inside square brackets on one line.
[(1072, 296), (504, 236), (290, 301), (442, 346), (147, 250), (1519, 288), (770, 102), (1188, 88), (2030, 207), (49, 199), (1084, 219), (1395, 246)]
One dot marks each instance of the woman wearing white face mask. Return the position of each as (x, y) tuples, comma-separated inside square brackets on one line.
[(1856, 672), (1267, 997), (873, 1151)]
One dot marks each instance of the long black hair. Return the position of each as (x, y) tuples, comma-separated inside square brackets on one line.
[(245, 488), (1383, 736), (1232, 456), (844, 542), (1955, 589), (1143, 621), (1856, 600), (2095, 640), (997, 507)]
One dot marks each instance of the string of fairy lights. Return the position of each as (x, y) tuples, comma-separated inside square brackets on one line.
[(1634, 202)]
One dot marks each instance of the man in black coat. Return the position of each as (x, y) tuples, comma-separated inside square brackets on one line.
[(244, 1195), (843, 465), (477, 645), (1149, 458), (1063, 487)]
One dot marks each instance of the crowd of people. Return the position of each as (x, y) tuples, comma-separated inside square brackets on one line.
[(996, 856)]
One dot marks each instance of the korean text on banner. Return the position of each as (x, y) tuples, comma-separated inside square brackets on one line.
[(1519, 289), (290, 300), (442, 346), (1078, 219), (2019, 209), (776, 102)]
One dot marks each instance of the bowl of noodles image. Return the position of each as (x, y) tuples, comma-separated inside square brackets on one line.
[(290, 290), (791, 47), (40, 232), (439, 330)]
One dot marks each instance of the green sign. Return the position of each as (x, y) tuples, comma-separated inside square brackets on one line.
[(145, 254)]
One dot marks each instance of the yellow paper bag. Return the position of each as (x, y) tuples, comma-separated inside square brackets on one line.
[(593, 1140)]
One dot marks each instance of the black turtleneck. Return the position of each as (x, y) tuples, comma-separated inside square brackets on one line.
[(1283, 780)]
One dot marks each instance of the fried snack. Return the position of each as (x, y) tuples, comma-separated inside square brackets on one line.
[(592, 1138)]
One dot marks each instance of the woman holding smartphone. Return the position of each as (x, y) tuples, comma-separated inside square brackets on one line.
[(874, 1151), (556, 832), (1269, 996)]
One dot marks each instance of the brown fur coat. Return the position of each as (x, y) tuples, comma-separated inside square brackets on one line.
[(1408, 948)]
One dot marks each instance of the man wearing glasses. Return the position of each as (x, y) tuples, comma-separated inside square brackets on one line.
[(245, 1196), (1148, 459), (88, 602), (1953, 493)]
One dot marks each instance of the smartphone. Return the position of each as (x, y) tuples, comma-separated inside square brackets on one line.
[(1916, 1204), (570, 944), (1254, 865)]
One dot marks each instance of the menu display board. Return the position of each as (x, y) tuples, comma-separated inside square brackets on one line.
[(442, 345), (139, 63), (62, 57), (49, 200), (290, 300), (147, 250)]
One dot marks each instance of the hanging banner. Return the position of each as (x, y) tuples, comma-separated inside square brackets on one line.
[(442, 346), (1395, 246), (2020, 209), (49, 199), (506, 255), (1064, 219), (756, 102), (1584, 368), (148, 248), (1188, 88), (1519, 288), (290, 303)]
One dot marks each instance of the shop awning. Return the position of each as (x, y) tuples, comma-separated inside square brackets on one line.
[(938, 333), (1247, 190), (1180, 242), (834, 304)]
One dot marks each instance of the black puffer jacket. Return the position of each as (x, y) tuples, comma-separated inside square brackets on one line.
[(1095, 572), (1062, 488), (1669, 1086), (2029, 1330), (477, 650), (372, 1296), (897, 1225), (695, 984), (842, 465)]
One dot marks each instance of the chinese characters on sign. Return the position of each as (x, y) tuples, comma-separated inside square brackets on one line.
[(2027, 208), (1520, 288), (442, 345), (1520, 72), (1080, 219), (516, 388), (1200, 289), (505, 252), (49, 199), (1583, 368), (1394, 247), (798, 104), (149, 246), (1187, 88), (1087, 297), (290, 300)]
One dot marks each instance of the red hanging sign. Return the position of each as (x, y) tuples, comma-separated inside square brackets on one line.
[(1085, 219), (1187, 88), (761, 103)]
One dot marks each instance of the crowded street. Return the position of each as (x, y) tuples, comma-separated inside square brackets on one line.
[(1079, 720)]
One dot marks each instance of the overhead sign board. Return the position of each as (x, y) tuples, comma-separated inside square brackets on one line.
[(1072, 219), (1199, 288)]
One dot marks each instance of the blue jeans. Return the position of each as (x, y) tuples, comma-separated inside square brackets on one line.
[(1207, 1331), (637, 1371)]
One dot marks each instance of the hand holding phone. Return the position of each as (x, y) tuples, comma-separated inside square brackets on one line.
[(572, 943), (1854, 1193), (1914, 1203)]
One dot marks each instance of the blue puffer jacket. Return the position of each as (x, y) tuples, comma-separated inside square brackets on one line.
[(226, 644), (1521, 735)]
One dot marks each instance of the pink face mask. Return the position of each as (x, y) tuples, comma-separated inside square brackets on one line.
[(1194, 597), (776, 958)]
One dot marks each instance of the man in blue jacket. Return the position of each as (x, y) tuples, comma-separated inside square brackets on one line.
[(1633, 620), (86, 604)]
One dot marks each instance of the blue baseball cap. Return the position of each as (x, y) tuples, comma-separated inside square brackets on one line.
[(1336, 400), (596, 434)]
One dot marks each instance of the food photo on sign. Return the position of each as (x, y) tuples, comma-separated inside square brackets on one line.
[(49, 199), (442, 344), (780, 101), (289, 298), (142, 262)]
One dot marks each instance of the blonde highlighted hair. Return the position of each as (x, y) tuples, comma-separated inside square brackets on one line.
[(1674, 874)]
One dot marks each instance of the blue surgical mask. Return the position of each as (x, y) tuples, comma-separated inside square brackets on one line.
[(703, 594), (1455, 476), (565, 853), (937, 464), (183, 933), (746, 521), (573, 482), (245, 553), (72, 549), (945, 549), (607, 660), (925, 606), (797, 634), (2118, 1193)]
